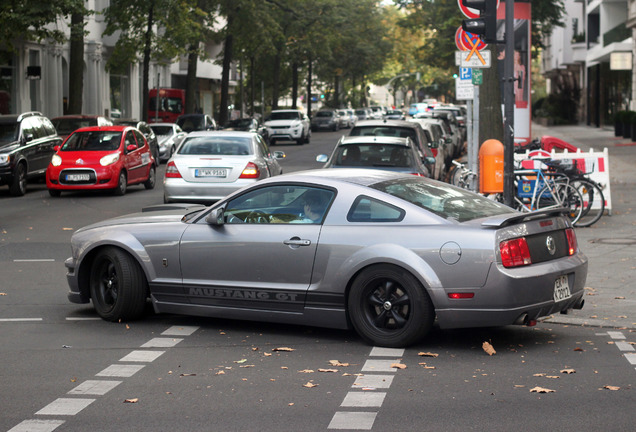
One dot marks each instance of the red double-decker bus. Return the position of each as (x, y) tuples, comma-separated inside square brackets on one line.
[(170, 103)]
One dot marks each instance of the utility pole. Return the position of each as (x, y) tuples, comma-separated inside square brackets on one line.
[(509, 105)]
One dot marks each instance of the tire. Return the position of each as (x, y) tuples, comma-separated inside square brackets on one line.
[(593, 202), (150, 183), (18, 185), (55, 193), (122, 184), (117, 285), (388, 307), (308, 137), (565, 195)]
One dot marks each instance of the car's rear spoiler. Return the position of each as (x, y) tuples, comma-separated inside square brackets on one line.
[(513, 218)]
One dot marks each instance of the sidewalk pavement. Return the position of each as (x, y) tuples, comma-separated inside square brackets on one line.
[(610, 244)]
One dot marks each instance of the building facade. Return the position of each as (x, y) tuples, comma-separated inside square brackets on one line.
[(35, 77)]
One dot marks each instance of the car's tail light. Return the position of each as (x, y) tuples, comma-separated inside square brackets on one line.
[(461, 295), (515, 252), (572, 244), (251, 171), (172, 171)]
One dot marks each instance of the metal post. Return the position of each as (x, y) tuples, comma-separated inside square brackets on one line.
[(474, 151), (158, 101), (509, 105)]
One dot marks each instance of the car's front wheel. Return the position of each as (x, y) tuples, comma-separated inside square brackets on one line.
[(19, 184), (389, 307), (117, 285)]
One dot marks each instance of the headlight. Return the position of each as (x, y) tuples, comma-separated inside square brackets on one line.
[(109, 159), (56, 160), (5, 158)]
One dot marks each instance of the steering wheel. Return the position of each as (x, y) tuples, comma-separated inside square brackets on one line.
[(257, 216)]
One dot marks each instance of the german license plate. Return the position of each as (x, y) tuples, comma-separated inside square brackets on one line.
[(561, 289), (78, 177), (210, 172)]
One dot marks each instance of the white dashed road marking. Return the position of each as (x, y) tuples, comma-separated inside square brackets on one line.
[(631, 358), (141, 356), (373, 381), (65, 406), (120, 371), (19, 319), (363, 399), (94, 387), (161, 343), (37, 426), (353, 420), (616, 335)]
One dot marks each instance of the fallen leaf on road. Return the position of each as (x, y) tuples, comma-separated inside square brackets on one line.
[(578, 349), (337, 363), (246, 366), (220, 373), (3, 294), (327, 370), (267, 354), (552, 376), (310, 385), (187, 374), (488, 348), (539, 374), (568, 371), (619, 298), (283, 349), (398, 366), (67, 229), (255, 349), (427, 354), (134, 400), (541, 390), (613, 388), (240, 361), (306, 371)]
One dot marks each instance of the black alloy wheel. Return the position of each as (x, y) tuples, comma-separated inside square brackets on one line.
[(18, 186)]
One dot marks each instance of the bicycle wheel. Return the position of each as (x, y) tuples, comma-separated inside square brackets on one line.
[(593, 202), (455, 174), (561, 195)]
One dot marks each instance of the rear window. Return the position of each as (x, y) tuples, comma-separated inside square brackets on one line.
[(219, 146), (162, 130), (374, 155), (67, 126), (392, 131), (442, 199)]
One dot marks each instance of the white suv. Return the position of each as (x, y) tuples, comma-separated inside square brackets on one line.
[(288, 125)]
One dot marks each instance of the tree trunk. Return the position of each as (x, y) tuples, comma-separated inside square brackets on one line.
[(146, 64), (336, 92), (276, 77), (225, 76), (294, 95), (309, 72), (252, 90), (76, 65), (191, 81), (490, 101)]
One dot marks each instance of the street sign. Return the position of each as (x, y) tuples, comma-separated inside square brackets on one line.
[(464, 89), (472, 59), (470, 12), (477, 77), (467, 41)]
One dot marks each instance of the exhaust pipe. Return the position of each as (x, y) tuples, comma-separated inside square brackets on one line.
[(521, 319)]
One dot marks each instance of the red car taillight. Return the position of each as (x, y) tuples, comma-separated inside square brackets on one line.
[(515, 252), (172, 171), (572, 244), (251, 171)]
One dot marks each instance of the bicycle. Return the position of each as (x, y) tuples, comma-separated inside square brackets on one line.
[(590, 190), (539, 190), (461, 176)]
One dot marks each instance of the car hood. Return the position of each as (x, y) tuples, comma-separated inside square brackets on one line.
[(10, 146), (155, 214), (282, 122)]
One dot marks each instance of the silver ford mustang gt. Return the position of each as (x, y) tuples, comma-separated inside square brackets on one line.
[(382, 252)]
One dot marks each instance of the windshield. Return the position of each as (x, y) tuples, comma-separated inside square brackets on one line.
[(443, 199), (8, 132), (191, 123), (324, 114), (220, 146), (93, 141), (172, 104), (285, 115), (240, 123)]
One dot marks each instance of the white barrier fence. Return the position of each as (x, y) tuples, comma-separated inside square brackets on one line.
[(594, 164)]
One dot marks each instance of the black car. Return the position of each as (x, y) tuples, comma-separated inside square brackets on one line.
[(143, 127), (196, 122), (27, 143), (248, 124)]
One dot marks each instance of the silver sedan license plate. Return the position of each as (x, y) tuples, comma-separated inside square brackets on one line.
[(210, 172), (561, 289)]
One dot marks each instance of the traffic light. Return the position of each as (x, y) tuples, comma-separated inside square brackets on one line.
[(486, 24)]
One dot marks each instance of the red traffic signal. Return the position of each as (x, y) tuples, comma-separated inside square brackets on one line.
[(486, 24)]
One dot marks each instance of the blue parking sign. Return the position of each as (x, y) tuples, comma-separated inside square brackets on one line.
[(465, 73)]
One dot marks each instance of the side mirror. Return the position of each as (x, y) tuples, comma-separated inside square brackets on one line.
[(449, 140), (56, 148), (433, 144), (131, 147), (279, 154), (322, 158), (216, 217), (429, 160), (28, 137)]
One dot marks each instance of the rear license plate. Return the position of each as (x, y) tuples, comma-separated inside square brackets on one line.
[(561, 289), (78, 177), (210, 172)]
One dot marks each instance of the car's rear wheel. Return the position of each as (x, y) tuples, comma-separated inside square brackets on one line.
[(117, 285), (389, 307), (19, 184), (150, 183), (122, 183)]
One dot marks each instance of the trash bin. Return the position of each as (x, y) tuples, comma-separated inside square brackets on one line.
[(491, 167)]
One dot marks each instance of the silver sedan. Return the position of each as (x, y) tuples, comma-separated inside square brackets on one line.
[(382, 252), (209, 165)]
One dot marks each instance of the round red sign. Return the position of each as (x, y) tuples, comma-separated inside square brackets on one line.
[(470, 12), (465, 41)]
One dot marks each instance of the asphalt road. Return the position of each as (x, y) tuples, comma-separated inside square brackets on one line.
[(64, 369)]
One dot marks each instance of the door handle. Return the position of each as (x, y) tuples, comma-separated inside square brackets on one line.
[(297, 241)]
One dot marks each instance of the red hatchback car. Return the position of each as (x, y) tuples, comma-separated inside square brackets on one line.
[(101, 157)]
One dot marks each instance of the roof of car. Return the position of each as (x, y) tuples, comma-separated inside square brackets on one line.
[(374, 139), (386, 123), (359, 176), (79, 116), (115, 128), (161, 124), (221, 133)]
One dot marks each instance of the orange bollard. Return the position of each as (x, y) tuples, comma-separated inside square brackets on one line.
[(491, 167)]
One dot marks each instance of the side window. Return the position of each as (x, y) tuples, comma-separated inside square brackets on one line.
[(130, 139), (366, 209), (262, 146), (49, 129), (280, 205), (140, 139), (28, 128)]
